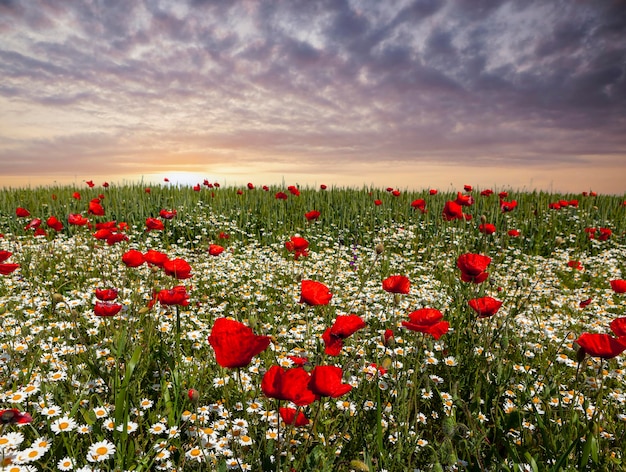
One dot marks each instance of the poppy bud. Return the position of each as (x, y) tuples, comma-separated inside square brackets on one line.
[(379, 248), (449, 426), (580, 354), (57, 298), (298, 277), (388, 338), (143, 311), (483, 219), (558, 241), (359, 465), (193, 395), (386, 364), (3, 310)]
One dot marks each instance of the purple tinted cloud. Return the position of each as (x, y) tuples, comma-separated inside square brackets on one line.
[(416, 81)]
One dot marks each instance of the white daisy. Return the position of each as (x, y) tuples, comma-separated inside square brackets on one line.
[(100, 451)]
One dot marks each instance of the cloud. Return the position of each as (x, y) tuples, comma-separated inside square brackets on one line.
[(429, 81)]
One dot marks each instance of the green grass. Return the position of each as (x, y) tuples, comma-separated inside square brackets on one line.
[(501, 393)]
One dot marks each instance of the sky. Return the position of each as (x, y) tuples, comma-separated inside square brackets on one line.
[(413, 94)]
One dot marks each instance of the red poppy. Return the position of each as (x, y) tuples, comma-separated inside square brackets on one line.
[(223, 235), (167, 214), (76, 196), (105, 184), (343, 327), (107, 308), (419, 204), (133, 258), (514, 233), (106, 294), (250, 186), (601, 345), (235, 344), (618, 285), (239, 192), (467, 188), (486, 193), (508, 206), (116, 238), (433, 191), (464, 200), (452, 211), (4, 255), (293, 417), (297, 245), (14, 416), (473, 267), (288, 384), (22, 212), (323, 187), (618, 326), (147, 190), (575, 265), (266, 188), (503, 195), (585, 303), (154, 224), (106, 225), (77, 219), (40, 232), (573, 203), (312, 215), (281, 196), (396, 193), (54, 223), (427, 320), (6, 269), (378, 202), (294, 190), (314, 293), (605, 234), (215, 249), (34, 224), (298, 361), (487, 228), (485, 306), (326, 381), (102, 234), (90, 183), (178, 268), (156, 258), (397, 284), (387, 336), (207, 183), (95, 208), (174, 296)]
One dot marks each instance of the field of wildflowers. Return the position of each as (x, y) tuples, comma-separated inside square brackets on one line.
[(297, 329)]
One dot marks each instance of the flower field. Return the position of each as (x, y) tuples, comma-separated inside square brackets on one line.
[(298, 329)]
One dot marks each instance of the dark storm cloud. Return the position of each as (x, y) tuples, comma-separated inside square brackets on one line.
[(410, 80)]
